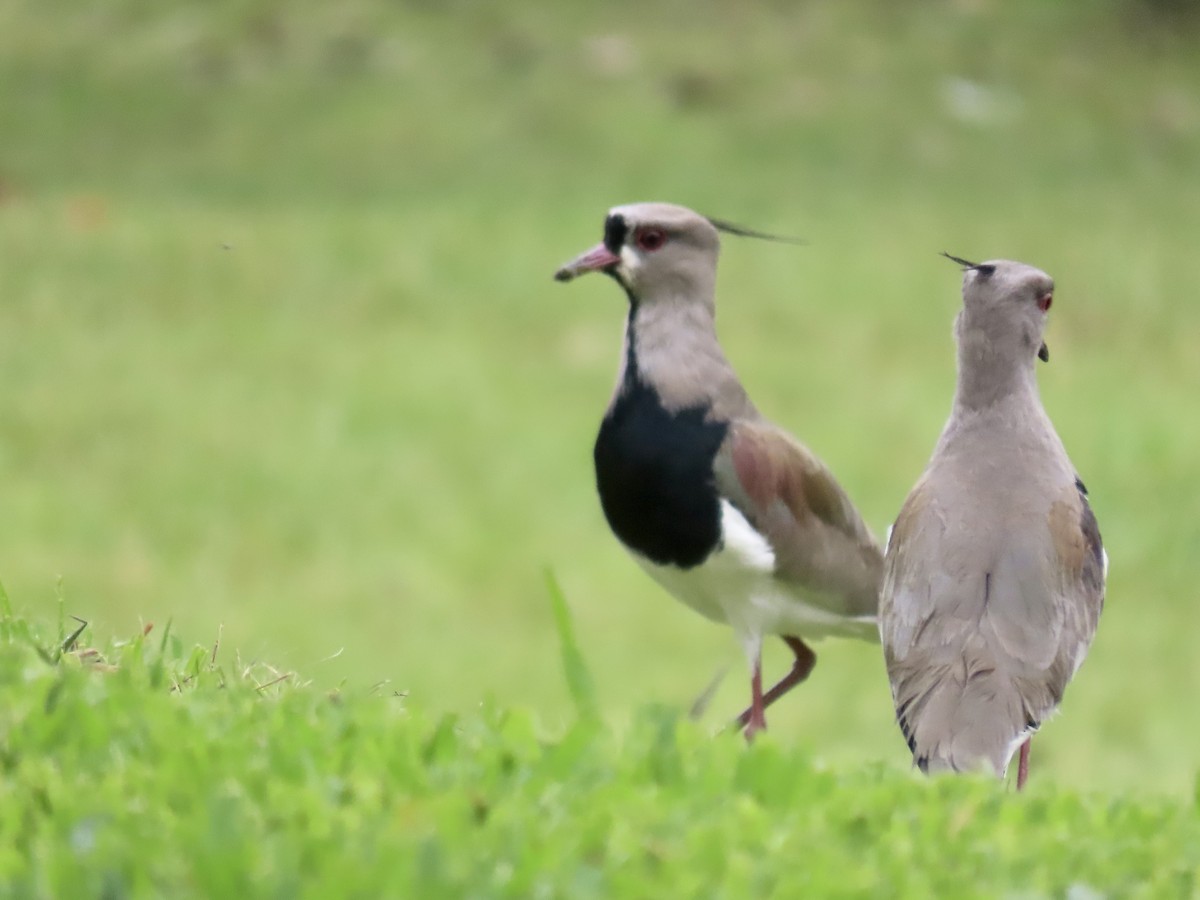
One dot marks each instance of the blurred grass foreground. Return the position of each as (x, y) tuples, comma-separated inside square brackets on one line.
[(140, 768), (280, 352)]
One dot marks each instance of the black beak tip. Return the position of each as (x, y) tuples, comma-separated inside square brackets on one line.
[(1044, 353), (563, 274)]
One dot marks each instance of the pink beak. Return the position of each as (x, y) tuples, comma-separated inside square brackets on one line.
[(597, 259)]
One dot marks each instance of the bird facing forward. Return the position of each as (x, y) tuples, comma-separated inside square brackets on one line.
[(994, 577), (723, 509)]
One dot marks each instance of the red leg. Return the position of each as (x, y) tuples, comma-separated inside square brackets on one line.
[(1023, 764), (756, 719), (801, 667)]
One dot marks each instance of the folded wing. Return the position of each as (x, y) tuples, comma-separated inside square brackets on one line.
[(820, 542)]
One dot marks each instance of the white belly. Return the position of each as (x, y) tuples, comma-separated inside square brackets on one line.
[(736, 585)]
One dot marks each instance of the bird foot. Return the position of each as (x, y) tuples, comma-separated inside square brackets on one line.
[(753, 727), (801, 667)]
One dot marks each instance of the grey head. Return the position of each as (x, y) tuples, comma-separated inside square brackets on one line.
[(655, 251), (1005, 304), (1001, 325)]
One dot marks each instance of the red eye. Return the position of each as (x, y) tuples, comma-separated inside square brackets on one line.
[(1044, 301), (650, 239)]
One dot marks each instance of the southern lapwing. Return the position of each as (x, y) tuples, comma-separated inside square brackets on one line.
[(725, 510), (995, 571)]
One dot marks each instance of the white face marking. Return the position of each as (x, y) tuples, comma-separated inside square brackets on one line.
[(744, 541), (631, 260), (1104, 553)]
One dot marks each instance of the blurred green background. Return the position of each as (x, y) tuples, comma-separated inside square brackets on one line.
[(280, 350)]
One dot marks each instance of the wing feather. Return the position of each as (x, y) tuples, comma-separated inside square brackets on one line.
[(982, 630), (820, 541)]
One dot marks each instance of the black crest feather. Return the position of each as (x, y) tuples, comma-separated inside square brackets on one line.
[(743, 231), (982, 269), (958, 259)]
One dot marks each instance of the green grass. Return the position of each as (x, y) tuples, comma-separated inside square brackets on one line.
[(280, 353), (147, 770)]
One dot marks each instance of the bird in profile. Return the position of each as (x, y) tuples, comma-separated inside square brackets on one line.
[(994, 575), (725, 510)]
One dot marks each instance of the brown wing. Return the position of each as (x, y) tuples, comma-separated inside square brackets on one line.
[(819, 540), (1082, 568)]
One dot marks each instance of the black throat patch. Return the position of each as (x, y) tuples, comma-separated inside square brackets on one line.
[(654, 471)]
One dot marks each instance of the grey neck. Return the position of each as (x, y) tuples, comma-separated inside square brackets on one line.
[(992, 368), (986, 379), (671, 346)]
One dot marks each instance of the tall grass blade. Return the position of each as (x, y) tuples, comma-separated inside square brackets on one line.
[(579, 678)]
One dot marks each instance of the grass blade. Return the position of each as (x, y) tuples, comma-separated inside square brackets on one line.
[(579, 679)]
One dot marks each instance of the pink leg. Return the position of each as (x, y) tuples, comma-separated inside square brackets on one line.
[(801, 667), (1023, 765), (757, 720)]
